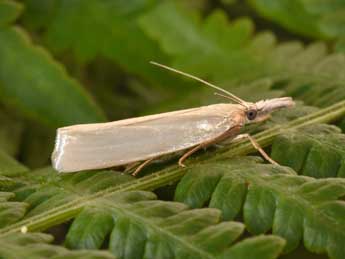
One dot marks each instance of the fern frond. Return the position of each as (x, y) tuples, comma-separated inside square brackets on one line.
[(10, 167), (316, 151), (113, 23), (10, 211), (49, 190), (271, 197), (115, 211), (141, 227), (67, 202), (36, 85), (35, 245), (225, 51), (321, 20)]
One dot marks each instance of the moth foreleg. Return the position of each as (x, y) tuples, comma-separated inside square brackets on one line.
[(256, 146), (189, 153), (228, 134), (142, 165)]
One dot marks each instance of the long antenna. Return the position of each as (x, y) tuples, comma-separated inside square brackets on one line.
[(230, 95), (223, 95)]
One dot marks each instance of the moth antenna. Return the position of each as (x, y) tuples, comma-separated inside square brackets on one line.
[(235, 98), (228, 97)]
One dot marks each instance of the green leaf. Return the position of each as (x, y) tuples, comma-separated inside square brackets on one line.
[(140, 227), (10, 212), (226, 53), (229, 54), (316, 151), (52, 190), (318, 19), (212, 43), (10, 133), (134, 220), (101, 19), (272, 197), (37, 145), (9, 11), (9, 166), (340, 46), (38, 86), (106, 28), (35, 245), (317, 77), (37, 14), (254, 248)]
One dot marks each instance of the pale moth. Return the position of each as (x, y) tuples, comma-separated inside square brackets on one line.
[(103, 145)]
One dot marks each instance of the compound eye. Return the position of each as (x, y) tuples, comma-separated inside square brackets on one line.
[(251, 114)]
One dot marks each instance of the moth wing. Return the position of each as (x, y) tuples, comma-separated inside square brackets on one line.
[(130, 121), (102, 145)]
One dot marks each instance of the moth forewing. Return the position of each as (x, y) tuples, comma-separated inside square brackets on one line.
[(102, 145)]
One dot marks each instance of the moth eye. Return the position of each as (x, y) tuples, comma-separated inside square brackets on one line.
[(251, 114)]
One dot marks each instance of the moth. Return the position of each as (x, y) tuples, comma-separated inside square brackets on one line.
[(104, 145)]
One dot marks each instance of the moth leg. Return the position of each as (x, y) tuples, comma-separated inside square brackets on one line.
[(189, 153), (131, 166), (142, 165), (256, 146), (228, 134)]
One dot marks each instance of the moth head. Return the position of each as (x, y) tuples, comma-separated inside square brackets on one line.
[(260, 110)]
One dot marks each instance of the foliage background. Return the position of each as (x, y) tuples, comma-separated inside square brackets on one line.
[(64, 62)]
